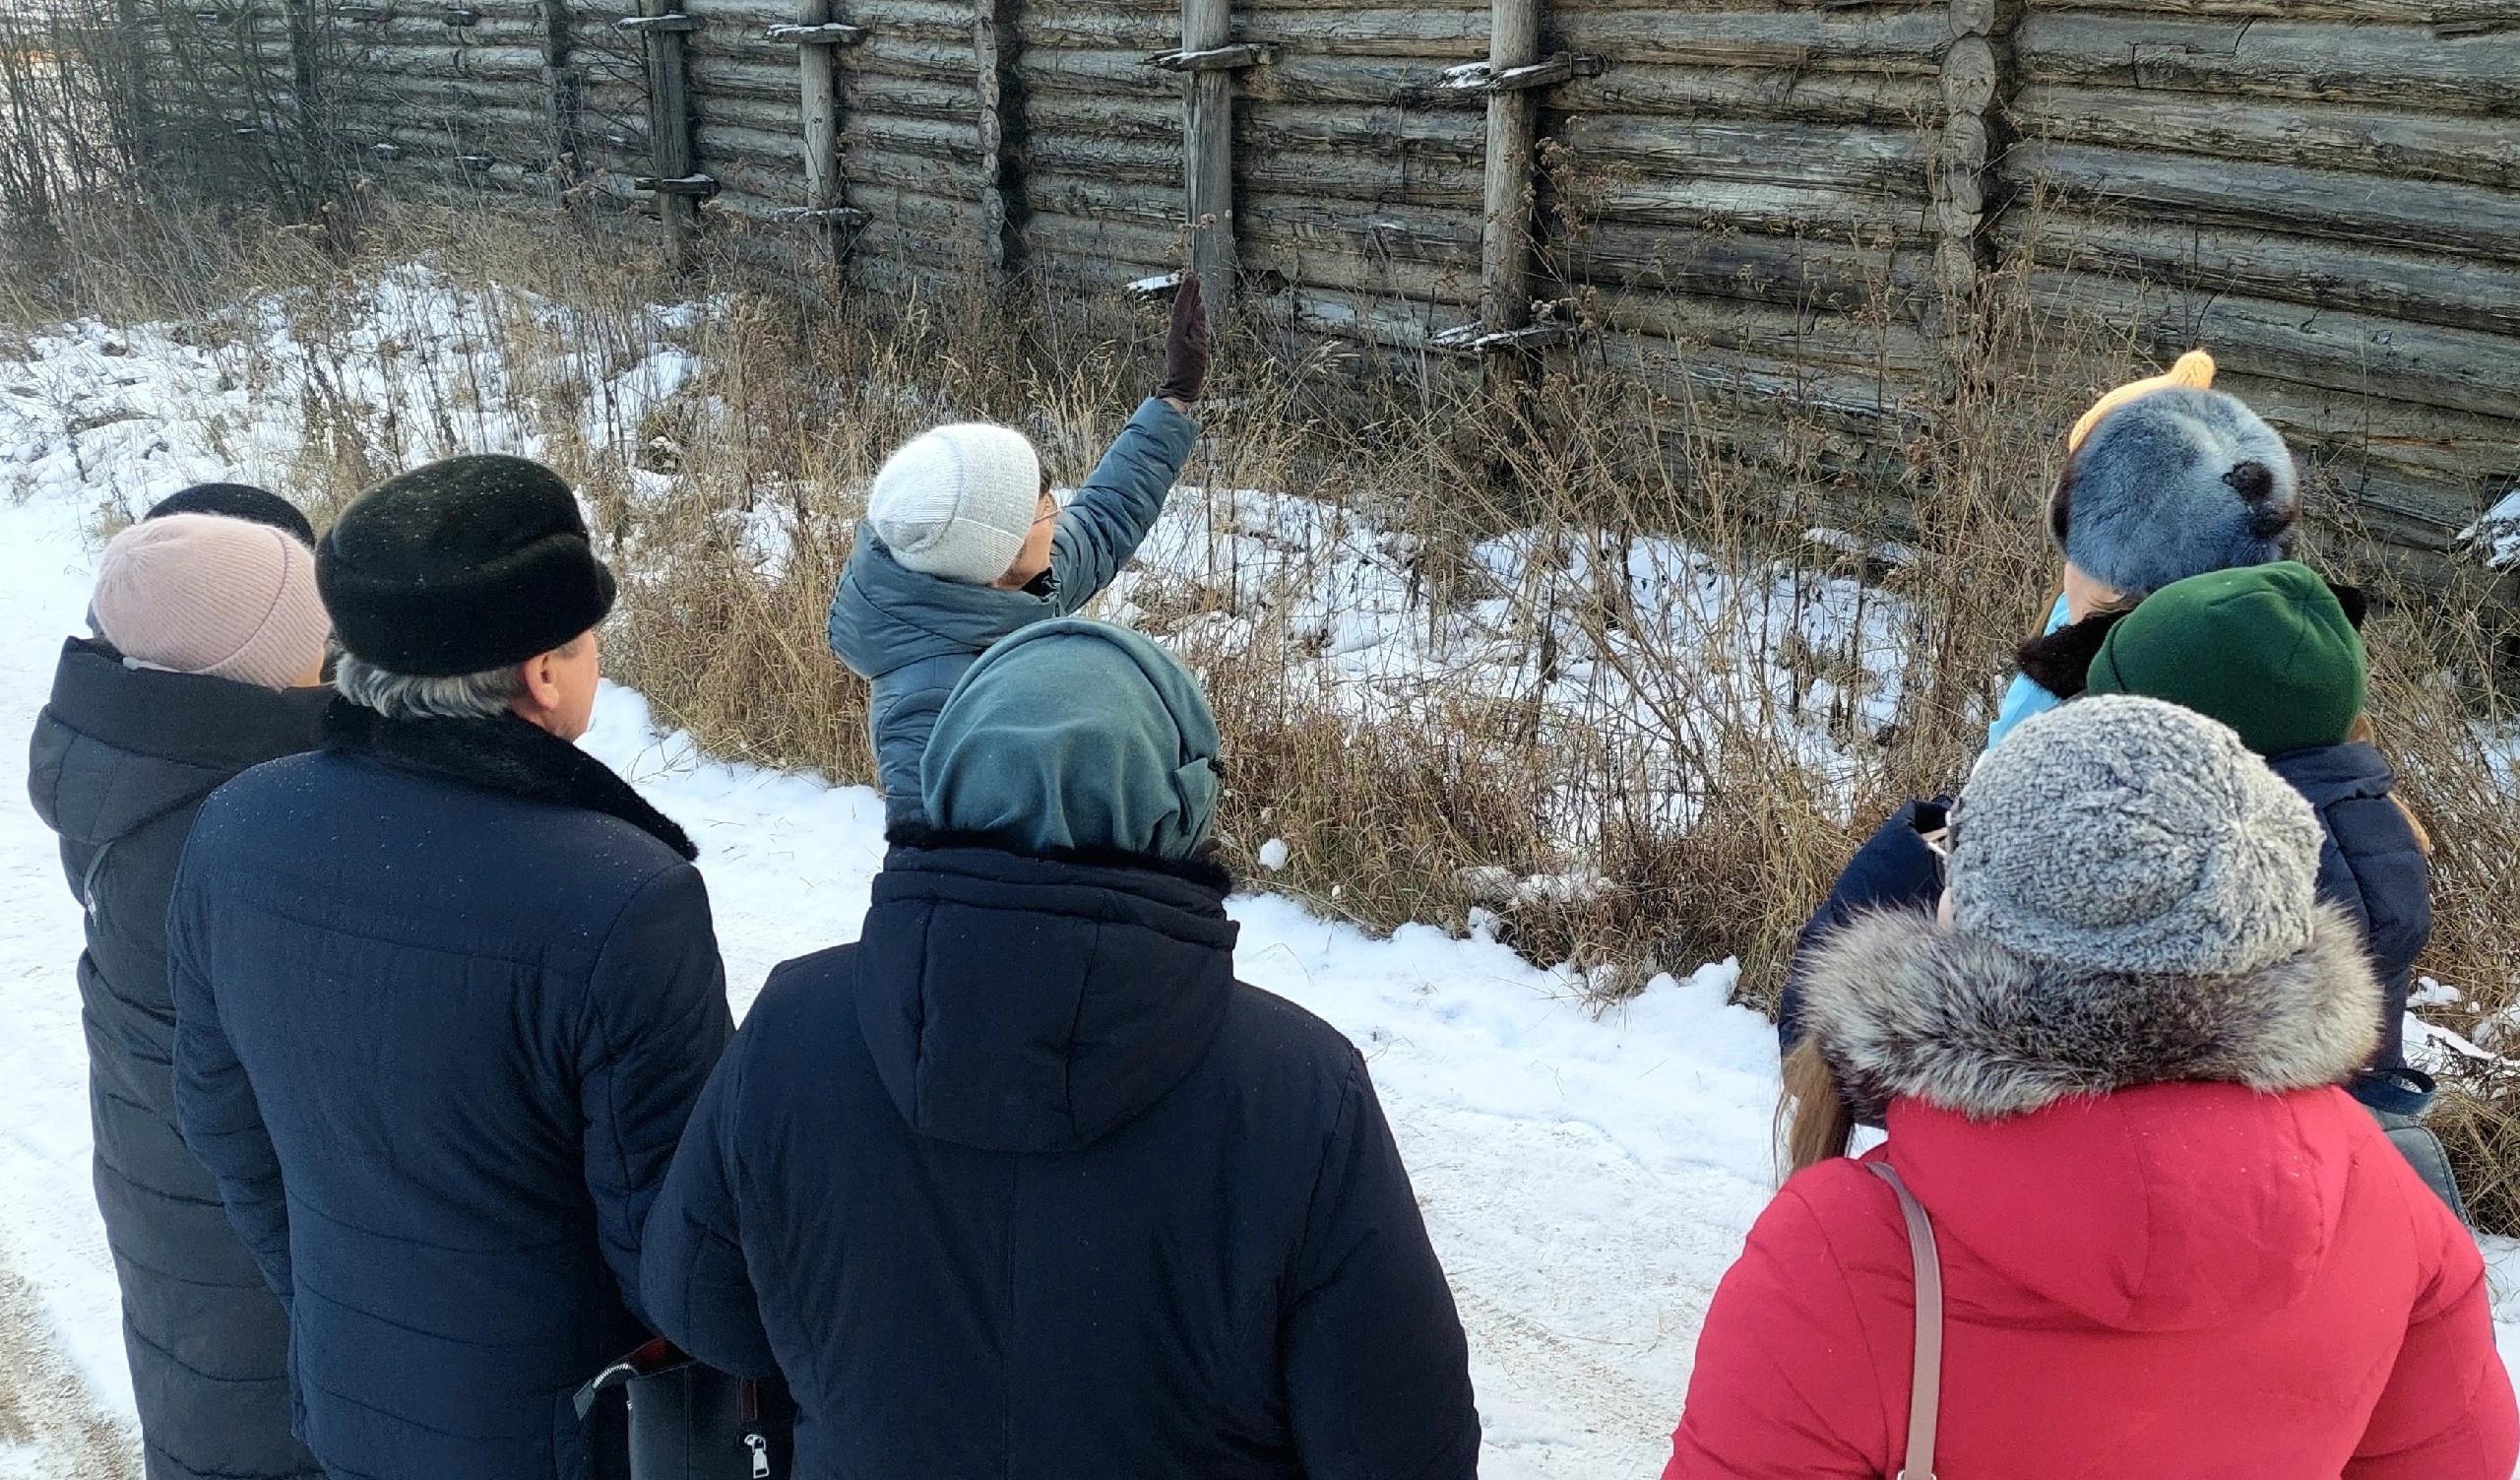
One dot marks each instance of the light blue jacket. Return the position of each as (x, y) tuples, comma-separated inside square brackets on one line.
[(2026, 697), (911, 635)]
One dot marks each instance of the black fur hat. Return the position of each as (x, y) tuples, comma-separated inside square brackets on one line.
[(461, 567), (238, 501)]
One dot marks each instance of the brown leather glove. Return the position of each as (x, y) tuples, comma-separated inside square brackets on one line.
[(1185, 344)]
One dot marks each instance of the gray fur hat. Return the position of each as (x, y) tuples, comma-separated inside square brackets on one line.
[(2172, 483), (2130, 835)]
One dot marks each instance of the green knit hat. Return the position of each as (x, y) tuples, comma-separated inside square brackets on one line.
[(2266, 649), (1075, 734)]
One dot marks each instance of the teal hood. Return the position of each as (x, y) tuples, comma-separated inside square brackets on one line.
[(1076, 736)]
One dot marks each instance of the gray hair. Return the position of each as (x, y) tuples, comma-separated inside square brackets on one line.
[(406, 696)]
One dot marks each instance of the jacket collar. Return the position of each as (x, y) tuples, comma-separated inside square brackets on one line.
[(2330, 773), (217, 725), (1905, 1008), (1203, 873), (504, 755)]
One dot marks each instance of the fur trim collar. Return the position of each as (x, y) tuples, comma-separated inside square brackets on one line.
[(500, 755), (926, 837), (2059, 662), (1902, 1008)]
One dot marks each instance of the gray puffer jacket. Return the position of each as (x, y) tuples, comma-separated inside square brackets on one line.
[(912, 635)]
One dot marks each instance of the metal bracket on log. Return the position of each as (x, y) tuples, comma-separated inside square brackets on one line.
[(837, 218), (695, 186), (1481, 78), (459, 16), (674, 22), (1154, 290), (1479, 339), (833, 34), (1236, 58)]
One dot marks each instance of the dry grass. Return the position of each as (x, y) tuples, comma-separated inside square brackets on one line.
[(1704, 829)]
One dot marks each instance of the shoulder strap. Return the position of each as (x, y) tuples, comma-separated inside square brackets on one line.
[(1924, 1388)]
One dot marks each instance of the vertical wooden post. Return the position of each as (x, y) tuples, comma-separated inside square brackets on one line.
[(562, 93), (818, 87), (1208, 152), (991, 85), (669, 132), (1513, 129)]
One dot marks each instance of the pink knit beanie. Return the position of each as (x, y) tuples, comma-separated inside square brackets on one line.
[(201, 594)]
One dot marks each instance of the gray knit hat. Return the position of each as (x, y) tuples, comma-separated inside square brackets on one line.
[(2128, 835), (957, 502)]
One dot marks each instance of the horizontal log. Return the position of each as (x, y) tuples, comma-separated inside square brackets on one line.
[(501, 63), (941, 216), (892, 55), (1891, 161), (716, 111), (1139, 159), (1130, 248), (1845, 410), (2349, 12), (863, 165), (1446, 33), (1046, 70), (1099, 198), (1874, 220), (1800, 271), (1902, 39), (2334, 136), (763, 147), (2417, 287), (957, 140), (2399, 66), (1906, 99), (424, 29), (1892, 347), (1352, 174), (770, 178), (1102, 28), (1403, 232), (910, 96), (2335, 350), (741, 78), (1278, 265), (2421, 215), (1375, 80), (1154, 119), (1450, 137), (1377, 321)]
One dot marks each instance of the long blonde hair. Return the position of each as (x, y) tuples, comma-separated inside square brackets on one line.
[(1813, 1119)]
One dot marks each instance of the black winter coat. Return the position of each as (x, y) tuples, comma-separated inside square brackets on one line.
[(121, 759), (2371, 864), (444, 995), (1025, 1186)]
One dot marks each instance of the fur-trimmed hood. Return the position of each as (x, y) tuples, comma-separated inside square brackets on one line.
[(1905, 1008)]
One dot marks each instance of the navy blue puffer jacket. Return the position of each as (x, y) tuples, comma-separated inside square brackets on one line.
[(1025, 1185), (445, 995)]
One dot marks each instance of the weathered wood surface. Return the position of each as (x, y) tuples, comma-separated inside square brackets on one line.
[(2391, 142), (1207, 152), (2381, 65)]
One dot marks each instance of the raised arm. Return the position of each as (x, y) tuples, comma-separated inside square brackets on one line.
[(1108, 518)]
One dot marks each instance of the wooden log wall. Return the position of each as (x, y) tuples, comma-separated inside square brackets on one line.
[(1744, 200), (2326, 195)]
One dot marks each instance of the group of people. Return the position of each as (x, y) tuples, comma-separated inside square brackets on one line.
[(417, 1100)]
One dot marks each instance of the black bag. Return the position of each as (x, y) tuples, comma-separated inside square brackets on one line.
[(689, 1421)]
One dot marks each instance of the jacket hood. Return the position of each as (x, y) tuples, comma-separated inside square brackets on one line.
[(2328, 774), (2150, 1153), (886, 616), (1033, 1004), (1905, 1008), (116, 747)]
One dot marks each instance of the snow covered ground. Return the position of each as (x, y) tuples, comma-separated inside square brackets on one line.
[(1587, 1180)]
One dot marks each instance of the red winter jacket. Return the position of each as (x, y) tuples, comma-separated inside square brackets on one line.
[(2153, 1283), (2182, 1280)]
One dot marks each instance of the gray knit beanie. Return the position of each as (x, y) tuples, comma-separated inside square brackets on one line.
[(206, 594), (957, 502), (2127, 835)]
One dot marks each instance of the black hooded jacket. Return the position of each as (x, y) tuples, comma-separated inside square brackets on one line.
[(120, 761), (1024, 1183)]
